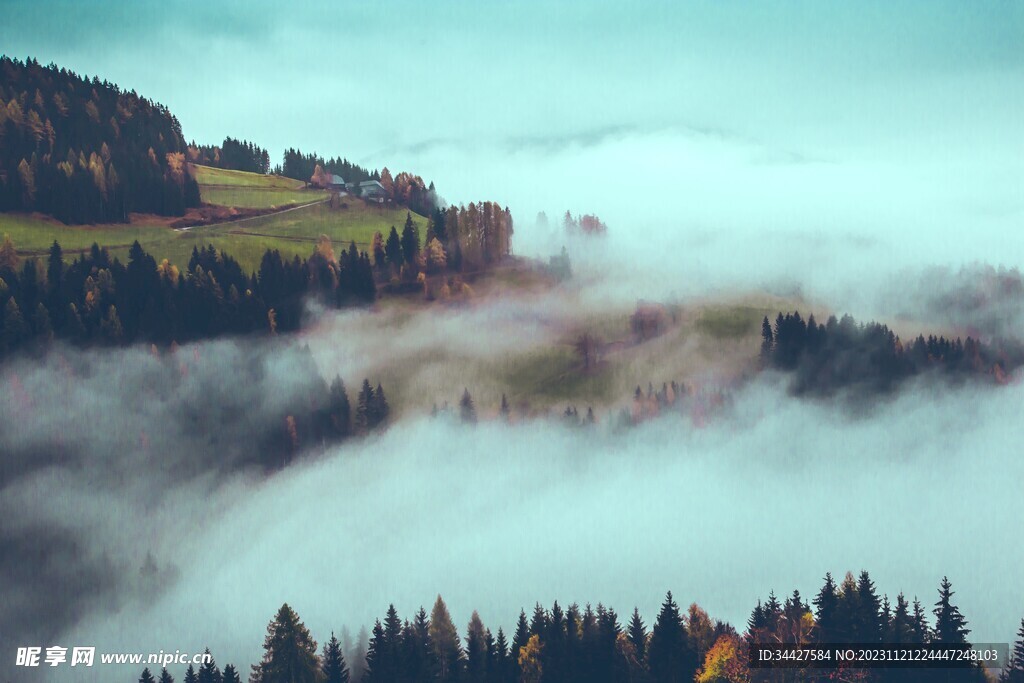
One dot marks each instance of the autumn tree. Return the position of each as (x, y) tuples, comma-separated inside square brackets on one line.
[(8, 256), (530, 669), (725, 662), (444, 639)]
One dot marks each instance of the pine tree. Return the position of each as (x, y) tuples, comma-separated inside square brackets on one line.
[(670, 657), (519, 640), (637, 634), (146, 677), (340, 409), (380, 407), (190, 675), (919, 624), (166, 677), (14, 332), (289, 651), (467, 411), (208, 672), (364, 408), (767, 338), (476, 651), (393, 249), (410, 240), (869, 618), (332, 663), (826, 603), (230, 674), (1014, 671), (950, 625), (417, 653)]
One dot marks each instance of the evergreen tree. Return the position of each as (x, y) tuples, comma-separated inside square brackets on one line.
[(467, 411), (1014, 670), (919, 624), (950, 625), (476, 651), (826, 603), (519, 640), (380, 407), (637, 634), (166, 677), (767, 338), (410, 240), (418, 654), (289, 651), (670, 657), (208, 672), (340, 410), (230, 674), (146, 677), (869, 614), (364, 408), (14, 331), (190, 675), (332, 663), (393, 249)]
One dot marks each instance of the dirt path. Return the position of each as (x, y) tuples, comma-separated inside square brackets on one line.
[(250, 218)]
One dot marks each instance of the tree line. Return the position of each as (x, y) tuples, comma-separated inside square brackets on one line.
[(84, 151), (97, 300), (232, 154), (588, 644), (300, 166), (842, 354)]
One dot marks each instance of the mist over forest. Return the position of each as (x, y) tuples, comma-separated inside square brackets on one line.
[(711, 299)]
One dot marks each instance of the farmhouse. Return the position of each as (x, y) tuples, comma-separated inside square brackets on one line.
[(372, 191), (336, 183)]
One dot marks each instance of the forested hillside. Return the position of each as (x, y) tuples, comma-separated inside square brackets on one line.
[(85, 151)]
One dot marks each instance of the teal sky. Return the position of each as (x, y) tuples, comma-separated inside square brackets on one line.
[(360, 78)]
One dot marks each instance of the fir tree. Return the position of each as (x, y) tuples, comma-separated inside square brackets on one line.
[(467, 411), (332, 663), (146, 677), (166, 677), (190, 675), (950, 625), (637, 634), (393, 249), (670, 657), (410, 240), (208, 672), (289, 651), (230, 674), (826, 603)]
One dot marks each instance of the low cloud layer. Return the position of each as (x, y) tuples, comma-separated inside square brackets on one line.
[(494, 518)]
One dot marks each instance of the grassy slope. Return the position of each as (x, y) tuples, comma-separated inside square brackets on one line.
[(293, 232)]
